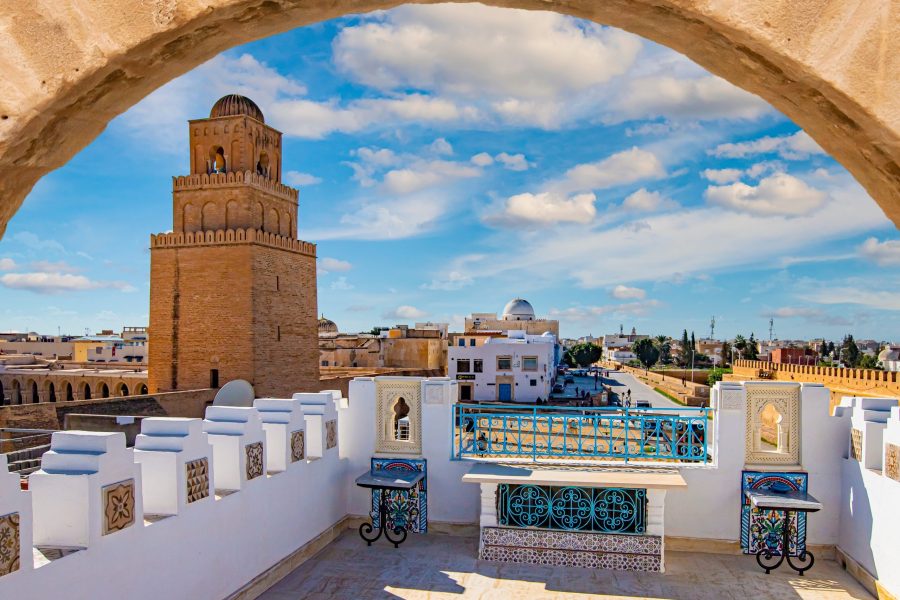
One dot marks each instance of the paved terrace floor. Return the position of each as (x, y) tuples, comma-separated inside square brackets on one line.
[(445, 567)]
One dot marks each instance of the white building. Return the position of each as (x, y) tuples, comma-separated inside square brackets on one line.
[(516, 367), (517, 314)]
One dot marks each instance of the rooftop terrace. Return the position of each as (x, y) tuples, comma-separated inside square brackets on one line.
[(443, 566)]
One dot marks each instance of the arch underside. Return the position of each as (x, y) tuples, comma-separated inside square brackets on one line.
[(836, 77)]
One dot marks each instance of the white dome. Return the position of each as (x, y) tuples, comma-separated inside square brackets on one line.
[(518, 309)]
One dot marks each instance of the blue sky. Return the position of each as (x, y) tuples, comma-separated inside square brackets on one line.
[(452, 157)]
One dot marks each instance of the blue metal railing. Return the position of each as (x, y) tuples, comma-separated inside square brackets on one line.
[(548, 432), (571, 508)]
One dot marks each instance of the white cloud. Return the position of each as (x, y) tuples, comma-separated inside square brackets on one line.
[(797, 146), (623, 292), (426, 174), (722, 176), (513, 162), (473, 51), (441, 146), (33, 242), (869, 297), (779, 194), (7, 264), (700, 98), (644, 201), (884, 254), (386, 219), (620, 168), (57, 283), (341, 284), (299, 179), (482, 159), (327, 265), (405, 313), (545, 208), (589, 313), (454, 280), (808, 313)]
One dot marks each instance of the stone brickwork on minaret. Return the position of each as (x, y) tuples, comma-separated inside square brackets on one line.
[(232, 291)]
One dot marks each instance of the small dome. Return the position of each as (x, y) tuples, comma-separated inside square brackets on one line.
[(234, 105), (518, 309), (327, 325)]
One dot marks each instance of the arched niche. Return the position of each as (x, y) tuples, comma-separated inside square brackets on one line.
[(398, 417)]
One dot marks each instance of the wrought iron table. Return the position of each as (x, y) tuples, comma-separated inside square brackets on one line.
[(384, 480), (788, 502)]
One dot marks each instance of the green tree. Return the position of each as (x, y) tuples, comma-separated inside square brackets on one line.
[(377, 330), (583, 355), (823, 349), (726, 353), (685, 358), (665, 349), (752, 350), (869, 362), (646, 351), (716, 375), (740, 344), (849, 353)]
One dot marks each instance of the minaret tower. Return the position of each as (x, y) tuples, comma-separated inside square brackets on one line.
[(232, 289)]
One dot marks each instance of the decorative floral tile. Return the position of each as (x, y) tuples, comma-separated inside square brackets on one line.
[(892, 461), (406, 508), (118, 506), (763, 528), (573, 558), (9, 543), (856, 444), (254, 460), (330, 434), (197, 479), (298, 446), (571, 540)]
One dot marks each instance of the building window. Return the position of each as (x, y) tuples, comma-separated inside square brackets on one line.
[(277, 283), (462, 341), (504, 363), (529, 363), (479, 365), (465, 393), (462, 366), (324, 363), (278, 332), (534, 383), (213, 378), (471, 341)]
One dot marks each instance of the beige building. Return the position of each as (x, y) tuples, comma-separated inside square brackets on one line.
[(518, 314), (421, 347), (232, 289), (29, 380)]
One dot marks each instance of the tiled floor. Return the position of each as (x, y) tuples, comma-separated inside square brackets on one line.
[(439, 566)]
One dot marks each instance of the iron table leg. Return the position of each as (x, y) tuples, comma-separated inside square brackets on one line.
[(764, 556), (366, 529)]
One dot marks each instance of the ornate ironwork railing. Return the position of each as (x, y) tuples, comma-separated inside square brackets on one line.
[(509, 431), (603, 510)]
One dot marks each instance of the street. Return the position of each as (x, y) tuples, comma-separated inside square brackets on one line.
[(621, 382)]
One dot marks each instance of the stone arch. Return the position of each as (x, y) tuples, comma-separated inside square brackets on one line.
[(232, 215), (217, 159), (141, 389), (190, 218), (103, 390), (828, 75), (121, 389), (34, 394), (84, 391), (50, 390), (285, 225), (16, 395), (67, 390), (271, 224)]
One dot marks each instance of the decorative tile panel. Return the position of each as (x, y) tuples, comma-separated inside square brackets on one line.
[(298, 446), (197, 479), (9, 543), (387, 395), (786, 400), (407, 509), (574, 549), (892, 461), (572, 508), (330, 434), (254, 453), (118, 506), (856, 439), (763, 528)]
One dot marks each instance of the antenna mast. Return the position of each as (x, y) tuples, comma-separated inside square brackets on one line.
[(712, 328), (771, 329)]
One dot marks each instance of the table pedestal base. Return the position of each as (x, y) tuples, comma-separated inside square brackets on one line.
[(366, 529), (764, 558)]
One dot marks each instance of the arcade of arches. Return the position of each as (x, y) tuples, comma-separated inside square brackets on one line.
[(67, 386), (825, 64)]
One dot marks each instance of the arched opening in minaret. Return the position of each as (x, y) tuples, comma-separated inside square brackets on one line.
[(262, 166), (217, 159)]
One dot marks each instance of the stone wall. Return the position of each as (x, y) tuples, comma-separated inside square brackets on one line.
[(841, 382), (691, 394)]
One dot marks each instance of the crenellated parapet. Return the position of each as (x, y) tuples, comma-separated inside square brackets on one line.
[(196, 182), (231, 236)]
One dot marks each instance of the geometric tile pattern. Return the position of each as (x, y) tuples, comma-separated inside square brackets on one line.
[(254, 453), (330, 434), (572, 508), (406, 507), (572, 549), (297, 445), (118, 506), (856, 444), (764, 528), (197, 478), (9, 543), (892, 461)]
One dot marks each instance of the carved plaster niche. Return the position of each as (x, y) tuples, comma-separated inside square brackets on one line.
[(398, 417), (782, 447)]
